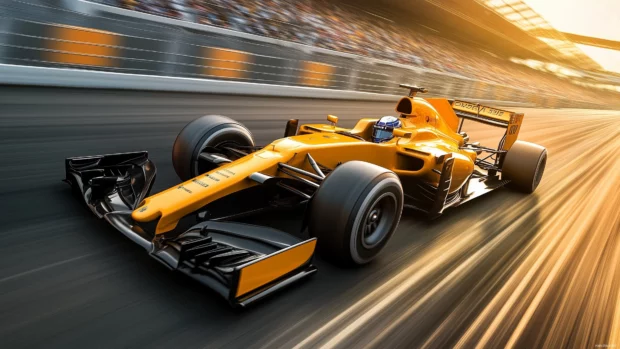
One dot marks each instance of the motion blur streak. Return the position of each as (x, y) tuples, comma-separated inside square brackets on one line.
[(83, 46), (514, 305), (226, 63), (505, 270)]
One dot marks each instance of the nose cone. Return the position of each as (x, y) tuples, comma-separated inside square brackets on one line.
[(145, 213)]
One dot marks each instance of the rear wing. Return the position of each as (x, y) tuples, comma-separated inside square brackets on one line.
[(490, 116)]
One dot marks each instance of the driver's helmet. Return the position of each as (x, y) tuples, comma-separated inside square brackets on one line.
[(383, 129)]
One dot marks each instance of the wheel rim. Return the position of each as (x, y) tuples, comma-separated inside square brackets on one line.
[(378, 220)]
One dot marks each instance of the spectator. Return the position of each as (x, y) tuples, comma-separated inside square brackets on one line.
[(324, 24)]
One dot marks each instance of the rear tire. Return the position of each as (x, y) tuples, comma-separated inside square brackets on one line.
[(524, 166), (206, 131), (355, 211)]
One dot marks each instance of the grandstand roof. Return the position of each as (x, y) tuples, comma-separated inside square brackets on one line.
[(485, 23), (521, 15)]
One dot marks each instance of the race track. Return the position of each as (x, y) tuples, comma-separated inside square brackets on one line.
[(505, 270)]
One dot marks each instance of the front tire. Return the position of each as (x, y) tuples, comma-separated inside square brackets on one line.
[(206, 131), (524, 166), (355, 211)]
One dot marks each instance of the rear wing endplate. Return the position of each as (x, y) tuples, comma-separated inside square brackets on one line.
[(491, 116)]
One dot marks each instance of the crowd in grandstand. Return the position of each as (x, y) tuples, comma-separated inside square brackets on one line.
[(324, 24)]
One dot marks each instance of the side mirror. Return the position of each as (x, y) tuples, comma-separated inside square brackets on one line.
[(401, 133), (333, 119), (291, 128)]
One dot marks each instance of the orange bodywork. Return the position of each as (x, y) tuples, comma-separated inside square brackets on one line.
[(270, 268), (429, 131)]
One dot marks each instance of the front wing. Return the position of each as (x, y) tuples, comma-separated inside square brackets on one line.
[(241, 262)]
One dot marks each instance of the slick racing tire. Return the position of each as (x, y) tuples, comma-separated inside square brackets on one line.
[(206, 131), (524, 166), (355, 211)]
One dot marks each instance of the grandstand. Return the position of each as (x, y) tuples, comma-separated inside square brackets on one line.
[(473, 39)]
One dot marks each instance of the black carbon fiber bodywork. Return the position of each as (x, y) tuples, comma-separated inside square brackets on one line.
[(212, 252)]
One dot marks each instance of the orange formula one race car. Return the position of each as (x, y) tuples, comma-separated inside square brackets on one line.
[(352, 185)]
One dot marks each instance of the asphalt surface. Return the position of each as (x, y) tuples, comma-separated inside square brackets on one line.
[(505, 270)]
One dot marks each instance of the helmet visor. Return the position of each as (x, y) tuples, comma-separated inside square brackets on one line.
[(382, 133)]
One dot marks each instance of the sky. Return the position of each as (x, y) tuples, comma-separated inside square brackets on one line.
[(595, 18)]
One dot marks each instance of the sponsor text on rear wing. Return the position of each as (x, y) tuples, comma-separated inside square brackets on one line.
[(491, 116)]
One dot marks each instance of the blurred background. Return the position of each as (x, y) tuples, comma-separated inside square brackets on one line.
[(505, 270), (495, 49)]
